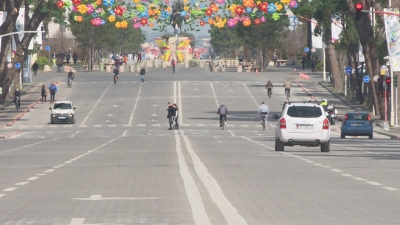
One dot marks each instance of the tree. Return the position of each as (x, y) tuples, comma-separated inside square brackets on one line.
[(40, 9)]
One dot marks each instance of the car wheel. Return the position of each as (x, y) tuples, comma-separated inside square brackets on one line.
[(279, 146), (371, 136), (325, 147), (342, 136)]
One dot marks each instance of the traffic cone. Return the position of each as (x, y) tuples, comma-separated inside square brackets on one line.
[(294, 69)]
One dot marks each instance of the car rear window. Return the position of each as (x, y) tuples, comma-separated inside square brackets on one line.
[(62, 106), (360, 116), (304, 111)]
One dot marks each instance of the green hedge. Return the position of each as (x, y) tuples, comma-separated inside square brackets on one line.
[(41, 61)]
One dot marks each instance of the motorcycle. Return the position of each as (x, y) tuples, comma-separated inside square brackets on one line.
[(331, 114)]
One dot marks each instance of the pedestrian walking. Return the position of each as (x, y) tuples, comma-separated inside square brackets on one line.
[(304, 61), (139, 57), (173, 63), (35, 68), (53, 90), (170, 114), (44, 93), (54, 57), (142, 73), (313, 61), (275, 58), (68, 57), (60, 63), (75, 58)]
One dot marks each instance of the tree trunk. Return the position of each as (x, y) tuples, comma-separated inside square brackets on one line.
[(335, 70)]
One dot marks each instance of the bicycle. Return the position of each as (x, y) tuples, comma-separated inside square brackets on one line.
[(223, 122), (69, 83), (264, 121), (287, 92), (17, 102), (115, 79), (269, 92), (173, 123)]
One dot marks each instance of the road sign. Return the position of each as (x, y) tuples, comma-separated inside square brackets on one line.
[(9, 65), (376, 77), (17, 65), (47, 48), (306, 49), (313, 50), (366, 79), (349, 70)]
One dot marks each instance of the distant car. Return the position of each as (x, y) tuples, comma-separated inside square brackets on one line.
[(304, 124), (62, 111), (357, 124)]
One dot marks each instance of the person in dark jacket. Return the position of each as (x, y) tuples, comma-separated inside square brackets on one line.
[(35, 68), (171, 114), (142, 73), (44, 93), (75, 58), (17, 97), (222, 111), (176, 115)]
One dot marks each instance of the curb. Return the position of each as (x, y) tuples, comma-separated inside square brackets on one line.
[(22, 114), (395, 137), (11, 134), (23, 92)]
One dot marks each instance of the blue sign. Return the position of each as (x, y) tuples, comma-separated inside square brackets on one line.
[(349, 70), (306, 49), (366, 79), (17, 65), (47, 48)]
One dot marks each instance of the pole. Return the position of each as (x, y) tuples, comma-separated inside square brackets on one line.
[(49, 58), (396, 109), (345, 85), (324, 69), (391, 96), (385, 123)]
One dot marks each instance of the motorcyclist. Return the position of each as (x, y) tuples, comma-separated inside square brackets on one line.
[(324, 104), (269, 87)]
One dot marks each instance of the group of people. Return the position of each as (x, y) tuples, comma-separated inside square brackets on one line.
[(172, 115), (313, 62), (116, 73), (223, 112)]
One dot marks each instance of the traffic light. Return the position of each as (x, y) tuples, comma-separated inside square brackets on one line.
[(388, 85), (395, 80), (359, 6)]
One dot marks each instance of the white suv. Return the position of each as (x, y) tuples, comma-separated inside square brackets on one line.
[(304, 124), (62, 111)]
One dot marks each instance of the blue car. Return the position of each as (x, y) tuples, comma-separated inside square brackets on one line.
[(357, 124)]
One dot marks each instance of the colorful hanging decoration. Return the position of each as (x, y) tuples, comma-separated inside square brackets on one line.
[(158, 13)]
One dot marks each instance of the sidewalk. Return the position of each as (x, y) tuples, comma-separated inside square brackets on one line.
[(8, 113), (325, 90)]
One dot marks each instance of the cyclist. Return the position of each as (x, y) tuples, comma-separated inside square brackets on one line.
[(287, 86), (70, 77), (17, 97), (269, 87), (171, 114), (116, 74), (263, 110), (222, 111)]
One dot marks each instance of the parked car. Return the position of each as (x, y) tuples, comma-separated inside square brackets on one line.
[(357, 124)]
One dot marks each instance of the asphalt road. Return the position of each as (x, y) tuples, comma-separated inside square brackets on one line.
[(118, 164)]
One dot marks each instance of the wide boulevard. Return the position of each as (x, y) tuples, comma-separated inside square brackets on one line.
[(119, 163)]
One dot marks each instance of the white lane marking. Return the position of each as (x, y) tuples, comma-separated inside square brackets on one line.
[(124, 134), (98, 197), (21, 183), (180, 103), (82, 125), (141, 125), (244, 125), (233, 135), (336, 170), (69, 91), (41, 174), (251, 95), (391, 188), (1, 195), (230, 213), (95, 105), (215, 96), (97, 126), (359, 178), (73, 135), (135, 104), (201, 125), (346, 175), (192, 192), (174, 91), (32, 178), (10, 189), (58, 166), (373, 183), (25, 146), (49, 170), (156, 125), (77, 221)]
